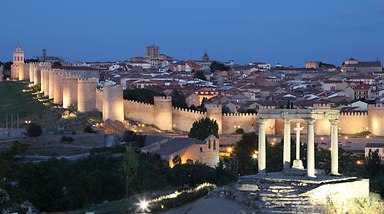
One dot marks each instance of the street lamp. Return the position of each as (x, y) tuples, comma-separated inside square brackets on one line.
[(255, 155), (143, 205)]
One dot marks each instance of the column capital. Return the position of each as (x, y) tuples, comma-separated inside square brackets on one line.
[(310, 121), (334, 121), (287, 121), (261, 120)]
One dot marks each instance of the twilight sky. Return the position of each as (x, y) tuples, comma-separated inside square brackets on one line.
[(290, 32)]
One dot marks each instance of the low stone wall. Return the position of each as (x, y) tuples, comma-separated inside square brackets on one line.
[(302, 195)]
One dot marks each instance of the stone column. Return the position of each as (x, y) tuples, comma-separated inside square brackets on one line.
[(287, 144), (297, 163), (334, 148), (262, 150), (311, 148)]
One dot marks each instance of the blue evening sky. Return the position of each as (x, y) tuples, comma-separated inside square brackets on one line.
[(286, 31)]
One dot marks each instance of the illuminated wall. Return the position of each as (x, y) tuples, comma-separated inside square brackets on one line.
[(376, 119), (163, 113), (353, 122), (113, 105), (70, 90), (86, 94), (184, 118)]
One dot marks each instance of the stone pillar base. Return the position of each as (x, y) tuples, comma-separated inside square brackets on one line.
[(298, 164)]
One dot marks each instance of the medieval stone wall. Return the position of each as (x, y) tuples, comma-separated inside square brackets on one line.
[(184, 118), (138, 111), (245, 121), (353, 122)]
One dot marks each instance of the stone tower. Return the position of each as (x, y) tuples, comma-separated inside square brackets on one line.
[(113, 103), (58, 86), (44, 57), (17, 69), (205, 57), (70, 90), (163, 113), (86, 94), (376, 119), (214, 112)]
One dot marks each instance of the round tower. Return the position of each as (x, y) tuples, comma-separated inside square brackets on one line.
[(51, 78), (45, 81), (163, 113), (113, 103), (376, 119), (86, 94), (31, 72), (214, 112), (37, 75), (70, 90), (58, 87), (42, 80)]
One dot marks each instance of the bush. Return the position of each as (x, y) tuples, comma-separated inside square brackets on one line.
[(34, 130), (239, 131), (112, 150), (183, 197), (89, 129), (66, 139)]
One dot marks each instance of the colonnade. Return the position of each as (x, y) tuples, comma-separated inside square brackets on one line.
[(297, 163)]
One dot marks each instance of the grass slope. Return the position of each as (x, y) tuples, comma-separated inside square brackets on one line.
[(14, 101)]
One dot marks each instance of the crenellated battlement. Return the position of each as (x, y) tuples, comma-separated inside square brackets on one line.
[(71, 76), (354, 113), (240, 114), (378, 106), (162, 98), (85, 80), (138, 102), (322, 106), (212, 106), (189, 110)]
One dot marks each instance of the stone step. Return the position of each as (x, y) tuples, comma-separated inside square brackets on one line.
[(281, 187)]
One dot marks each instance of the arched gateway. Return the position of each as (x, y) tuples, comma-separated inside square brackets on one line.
[(310, 116)]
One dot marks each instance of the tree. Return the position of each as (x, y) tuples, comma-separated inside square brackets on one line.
[(141, 95), (373, 162), (34, 130), (203, 128), (130, 166), (218, 66), (178, 99), (200, 75), (225, 109), (243, 153), (89, 129), (176, 160)]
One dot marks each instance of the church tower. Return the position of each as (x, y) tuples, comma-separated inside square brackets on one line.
[(18, 56), (17, 69), (205, 57)]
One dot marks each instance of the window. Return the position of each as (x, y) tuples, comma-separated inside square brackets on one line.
[(201, 149), (214, 145), (209, 144)]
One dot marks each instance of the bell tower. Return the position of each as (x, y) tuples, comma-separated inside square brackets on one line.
[(18, 56)]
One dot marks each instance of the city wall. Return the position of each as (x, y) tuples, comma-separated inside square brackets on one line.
[(245, 121), (138, 111), (63, 86), (184, 118), (353, 122)]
